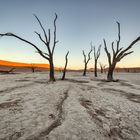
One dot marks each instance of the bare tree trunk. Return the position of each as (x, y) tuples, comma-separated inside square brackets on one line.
[(95, 68), (33, 69), (101, 70), (64, 71), (102, 67), (110, 74), (86, 60), (85, 70), (96, 57), (51, 70)]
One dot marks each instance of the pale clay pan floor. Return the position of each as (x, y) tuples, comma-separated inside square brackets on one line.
[(79, 108)]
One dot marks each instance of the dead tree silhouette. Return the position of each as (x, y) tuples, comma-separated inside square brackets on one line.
[(65, 68), (86, 60), (96, 57), (47, 42), (7, 71), (33, 68), (118, 53), (102, 67)]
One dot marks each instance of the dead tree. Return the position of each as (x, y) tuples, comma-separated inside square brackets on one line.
[(33, 69), (86, 60), (7, 71), (65, 68), (118, 53), (47, 42), (102, 67), (96, 57)]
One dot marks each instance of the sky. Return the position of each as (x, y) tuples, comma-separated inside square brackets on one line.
[(79, 23)]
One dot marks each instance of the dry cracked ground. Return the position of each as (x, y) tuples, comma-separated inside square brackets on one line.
[(79, 108)]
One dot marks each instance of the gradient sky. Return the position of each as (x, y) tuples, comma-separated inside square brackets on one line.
[(79, 22)]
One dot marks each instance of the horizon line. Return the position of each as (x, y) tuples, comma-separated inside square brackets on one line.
[(38, 63)]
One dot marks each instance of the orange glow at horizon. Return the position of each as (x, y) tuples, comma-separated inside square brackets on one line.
[(122, 64), (20, 64)]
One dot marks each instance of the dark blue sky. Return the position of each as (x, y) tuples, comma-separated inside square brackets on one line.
[(79, 22)]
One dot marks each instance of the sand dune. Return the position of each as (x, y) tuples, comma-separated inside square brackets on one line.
[(19, 64)]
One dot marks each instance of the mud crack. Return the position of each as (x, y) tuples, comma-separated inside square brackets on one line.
[(14, 88), (98, 115), (10, 104), (56, 123), (130, 96), (77, 81), (93, 112)]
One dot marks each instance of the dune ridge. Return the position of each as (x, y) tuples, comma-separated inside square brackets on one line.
[(20, 64)]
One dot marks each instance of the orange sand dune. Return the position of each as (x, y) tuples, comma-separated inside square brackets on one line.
[(18, 64)]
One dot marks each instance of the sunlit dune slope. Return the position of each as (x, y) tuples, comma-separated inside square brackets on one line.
[(18, 64)]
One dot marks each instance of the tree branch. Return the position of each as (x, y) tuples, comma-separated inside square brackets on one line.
[(47, 38), (44, 54), (66, 62), (84, 56), (40, 38), (118, 41), (41, 27), (89, 58), (113, 48), (130, 46), (125, 54), (54, 43), (108, 54), (99, 51), (94, 53), (39, 51), (49, 34)]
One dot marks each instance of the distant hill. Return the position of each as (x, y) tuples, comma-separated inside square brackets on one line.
[(119, 69), (7, 65), (19, 64)]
